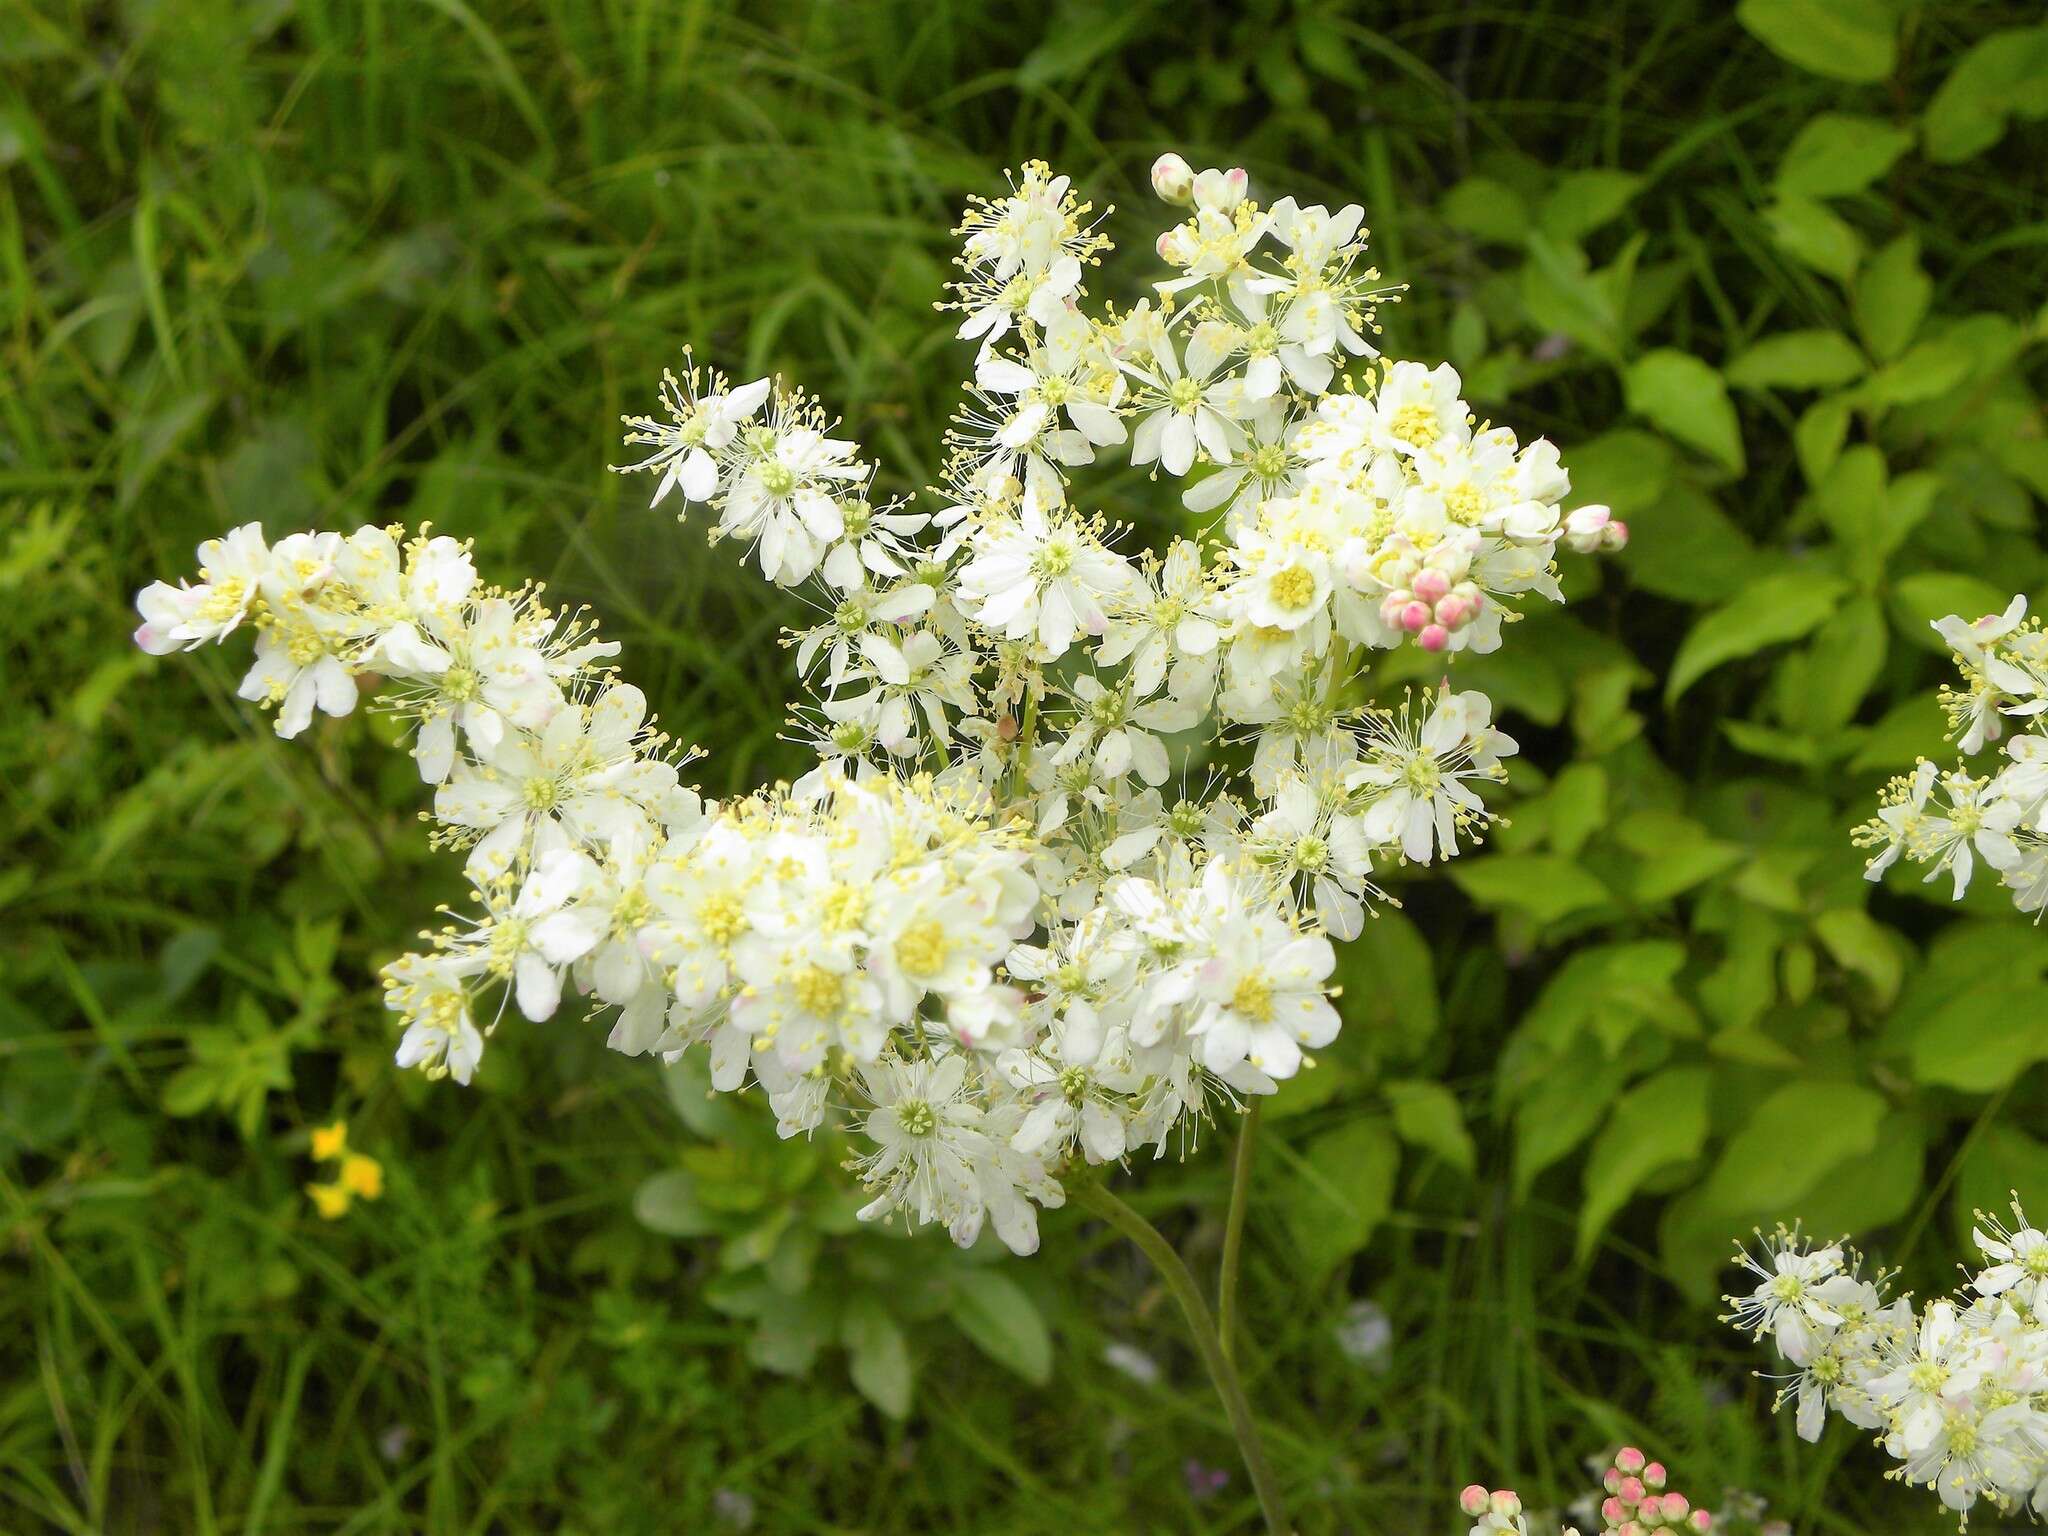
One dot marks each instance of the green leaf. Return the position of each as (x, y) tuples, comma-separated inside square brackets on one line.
[(1780, 607), (878, 1358), (1983, 1037), (1543, 885), (1926, 370), (1843, 664), (1910, 730), (667, 1203), (1561, 294), (1004, 1322), (1582, 201), (1819, 435), (1917, 601), (1389, 979), (1791, 1139), (1797, 360), (1426, 1115), (1836, 153), (1686, 548), (1489, 209), (1840, 39), (1560, 1112), (2003, 75), (1340, 1190), (1816, 236), (1578, 807), (1891, 297), (1862, 945), (1625, 469), (1660, 1121), (1687, 400)]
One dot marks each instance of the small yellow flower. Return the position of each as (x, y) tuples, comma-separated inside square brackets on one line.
[(330, 1141), (361, 1175), (331, 1200)]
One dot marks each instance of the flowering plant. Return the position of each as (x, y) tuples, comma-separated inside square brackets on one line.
[(1084, 821), (2003, 658), (1957, 1389), (1636, 1502)]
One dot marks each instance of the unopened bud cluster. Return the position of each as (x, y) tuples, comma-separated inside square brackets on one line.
[(1636, 1504)]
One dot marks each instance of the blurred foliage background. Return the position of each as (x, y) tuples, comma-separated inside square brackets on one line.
[(1772, 275)]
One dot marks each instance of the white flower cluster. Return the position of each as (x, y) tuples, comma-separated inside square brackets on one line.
[(1948, 821), (1957, 1390), (993, 930), (1636, 1503)]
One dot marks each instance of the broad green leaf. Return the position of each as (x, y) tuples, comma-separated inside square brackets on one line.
[(1687, 400), (1340, 1190), (1625, 469), (1389, 980), (2003, 75), (1837, 153), (1560, 293), (1843, 664), (1004, 1322), (1790, 1140), (1819, 435), (1559, 1112), (1892, 294), (878, 1358), (1797, 360), (1688, 549), (1917, 601), (1543, 885), (1926, 370), (1860, 943), (1983, 1037), (1426, 1115), (1840, 39), (667, 1203), (1816, 236), (1780, 607), (2001, 1160), (1489, 209), (1910, 730), (1578, 806), (1582, 201), (1660, 1121)]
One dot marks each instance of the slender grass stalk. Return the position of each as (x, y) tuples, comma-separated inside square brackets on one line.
[(1233, 1231), (1208, 1343)]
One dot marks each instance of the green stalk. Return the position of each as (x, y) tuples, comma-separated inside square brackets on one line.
[(1233, 1231), (1208, 1343)]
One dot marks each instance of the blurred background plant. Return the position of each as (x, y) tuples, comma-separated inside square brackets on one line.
[(1772, 276)]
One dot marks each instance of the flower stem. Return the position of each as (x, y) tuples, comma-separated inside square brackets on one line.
[(1233, 1232), (1222, 1372)]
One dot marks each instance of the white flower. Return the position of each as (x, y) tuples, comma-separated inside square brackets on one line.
[(1416, 777), (1321, 852), (431, 994), (1791, 1300), (1417, 408), (785, 499), (1041, 578), (582, 781), (1163, 618), (231, 573), (700, 428), (1186, 411), (1258, 990)]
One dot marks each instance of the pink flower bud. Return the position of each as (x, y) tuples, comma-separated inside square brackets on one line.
[(1433, 637), (1414, 615), (1173, 179), (1617, 535), (1431, 585), (1654, 1474), (1612, 1481), (1675, 1507), (1474, 1500), (1631, 1490), (1702, 1521), (1652, 1509), (1450, 612), (1630, 1460), (1613, 1511), (1506, 1504)]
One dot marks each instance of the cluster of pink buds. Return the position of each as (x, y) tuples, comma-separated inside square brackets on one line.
[(1430, 597), (1589, 529), (1636, 1503)]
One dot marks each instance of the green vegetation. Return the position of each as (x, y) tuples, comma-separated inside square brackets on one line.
[(1772, 277)]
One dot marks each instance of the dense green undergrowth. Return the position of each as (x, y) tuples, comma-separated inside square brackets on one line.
[(1774, 280)]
